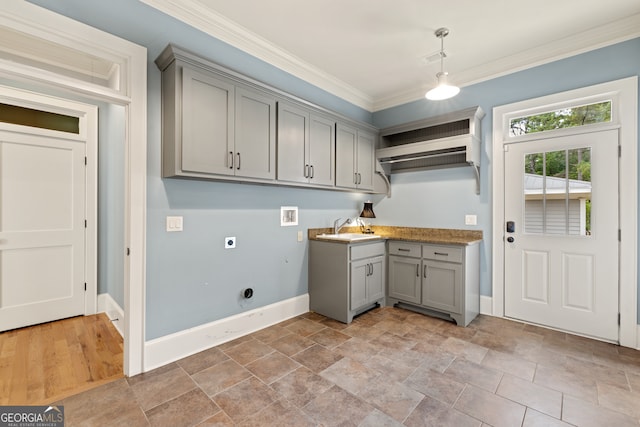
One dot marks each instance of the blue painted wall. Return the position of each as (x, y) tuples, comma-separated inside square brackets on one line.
[(192, 280), (442, 198)]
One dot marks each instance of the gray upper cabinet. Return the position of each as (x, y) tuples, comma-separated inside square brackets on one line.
[(306, 146), (355, 156), (204, 137), (214, 126), (218, 124), (322, 144), (255, 134)]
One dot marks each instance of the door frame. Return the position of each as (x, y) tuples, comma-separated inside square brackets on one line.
[(88, 133), (624, 96), (128, 89)]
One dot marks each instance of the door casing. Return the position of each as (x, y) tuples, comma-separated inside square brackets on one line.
[(624, 94), (131, 92)]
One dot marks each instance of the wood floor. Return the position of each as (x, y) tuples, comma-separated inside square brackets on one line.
[(44, 363)]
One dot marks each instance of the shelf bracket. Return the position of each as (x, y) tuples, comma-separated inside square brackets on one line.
[(476, 169)]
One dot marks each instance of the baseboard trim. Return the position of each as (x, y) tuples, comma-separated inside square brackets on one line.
[(638, 338), (486, 305), (106, 304), (167, 349)]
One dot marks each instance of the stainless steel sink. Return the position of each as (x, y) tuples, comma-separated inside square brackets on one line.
[(348, 237)]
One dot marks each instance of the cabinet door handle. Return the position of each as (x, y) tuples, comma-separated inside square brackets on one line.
[(306, 171), (238, 167), (359, 178), (312, 172), (425, 272), (441, 253), (404, 250), (230, 159), (417, 270)]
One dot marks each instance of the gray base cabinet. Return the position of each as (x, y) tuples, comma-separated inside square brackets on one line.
[(438, 279), (345, 279)]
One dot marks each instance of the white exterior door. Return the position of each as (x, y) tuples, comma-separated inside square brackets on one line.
[(42, 229), (561, 249)]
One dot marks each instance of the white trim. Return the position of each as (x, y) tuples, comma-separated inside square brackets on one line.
[(486, 305), (106, 304), (167, 349), (131, 92), (195, 14), (638, 338), (624, 92)]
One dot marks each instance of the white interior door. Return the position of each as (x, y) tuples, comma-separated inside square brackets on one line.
[(561, 249), (42, 229)]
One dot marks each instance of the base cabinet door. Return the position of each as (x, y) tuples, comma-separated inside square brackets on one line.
[(442, 286), (375, 280), (359, 274), (404, 278), (367, 281)]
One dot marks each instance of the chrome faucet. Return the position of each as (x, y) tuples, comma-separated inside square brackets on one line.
[(336, 227)]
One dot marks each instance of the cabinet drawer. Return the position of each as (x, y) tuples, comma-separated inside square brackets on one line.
[(405, 249), (442, 253), (364, 250)]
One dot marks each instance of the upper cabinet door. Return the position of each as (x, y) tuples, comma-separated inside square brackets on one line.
[(207, 123), (365, 160), (346, 146), (255, 135), (355, 157), (293, 137), (321, 152)]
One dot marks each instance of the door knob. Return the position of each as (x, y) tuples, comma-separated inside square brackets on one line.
[(510, 239)]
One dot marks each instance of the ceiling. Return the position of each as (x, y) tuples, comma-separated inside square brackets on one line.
[(374, 53)]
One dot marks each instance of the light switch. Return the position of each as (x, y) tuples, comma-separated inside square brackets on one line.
[(300, 236), (471, 220), (174, 223)]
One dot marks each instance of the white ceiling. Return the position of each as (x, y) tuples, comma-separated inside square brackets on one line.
[(372, 52)]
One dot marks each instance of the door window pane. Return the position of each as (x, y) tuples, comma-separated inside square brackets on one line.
[(557, 192)]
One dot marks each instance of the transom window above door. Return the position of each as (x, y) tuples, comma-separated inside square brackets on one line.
[(561, 118)]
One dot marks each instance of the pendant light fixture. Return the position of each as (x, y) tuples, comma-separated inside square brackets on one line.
[(444, 90)]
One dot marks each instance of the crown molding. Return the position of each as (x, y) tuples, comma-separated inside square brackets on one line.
[(198, 16), (615, 32), (210, 22)]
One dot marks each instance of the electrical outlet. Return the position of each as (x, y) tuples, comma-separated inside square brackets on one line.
[(471, 220), (300, 236), (229, 242), (174, 223)]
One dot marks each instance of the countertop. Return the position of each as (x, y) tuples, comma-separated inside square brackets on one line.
[(444, 236)]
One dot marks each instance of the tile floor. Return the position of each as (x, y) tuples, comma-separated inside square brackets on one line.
[(390, 367)]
